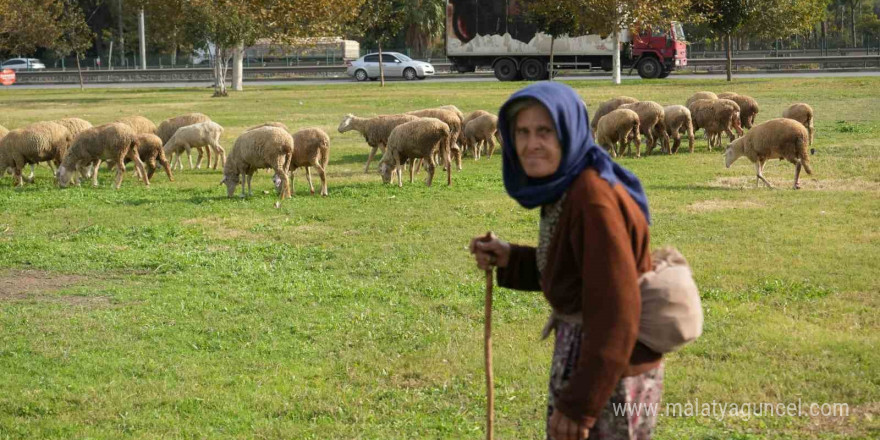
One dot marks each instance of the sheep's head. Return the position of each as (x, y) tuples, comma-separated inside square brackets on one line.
[(733, 152), (385, 170), (231, 182), (345, 125), (63, 176)]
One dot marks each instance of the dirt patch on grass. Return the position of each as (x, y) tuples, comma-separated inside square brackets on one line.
[(807, 184), (862, 420), (720, 205), (225, 228), (27, 285)]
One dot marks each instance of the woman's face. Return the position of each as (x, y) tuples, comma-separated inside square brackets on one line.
[(537, 145)]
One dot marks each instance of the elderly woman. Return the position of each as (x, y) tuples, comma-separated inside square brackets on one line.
[(592, 246)]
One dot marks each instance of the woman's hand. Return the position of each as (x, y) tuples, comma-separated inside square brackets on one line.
[(490, 252), (563, 428)]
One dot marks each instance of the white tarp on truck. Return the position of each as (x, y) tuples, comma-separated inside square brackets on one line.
[(538, 45)]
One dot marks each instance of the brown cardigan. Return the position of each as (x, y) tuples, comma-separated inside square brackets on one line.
[(595, 257)]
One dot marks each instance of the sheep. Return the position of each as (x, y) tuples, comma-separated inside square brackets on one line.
[(3, 131), (271, 124), (451, 119), (375, 130), (312, 149), (802, 113), (715, 117), (620, 126), (149, 150), (748, 108), (700, 95), (482, 130), (111, 142), (607, 107), (420, 139), (168, 127), (74, 125), (470, 117), (264, 147), (777, 138), (651, 123), (455, 110), (203, 134), (139, 124), (678, 120), (34, 143)]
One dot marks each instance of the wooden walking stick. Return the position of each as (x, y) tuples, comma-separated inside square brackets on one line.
[(487, 336)]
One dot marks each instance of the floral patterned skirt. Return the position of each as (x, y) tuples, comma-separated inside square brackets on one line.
[(645, 389)]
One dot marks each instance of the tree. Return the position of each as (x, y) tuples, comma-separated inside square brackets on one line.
[(75, 36), (424, 21), (28, 24), (724, 18), (379, 20), (555, 18)]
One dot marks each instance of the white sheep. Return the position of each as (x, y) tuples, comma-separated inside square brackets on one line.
[(311, 150), (651, 124), (111, 142), (678, 120), (802, 113), (777, 138), (479, 132), (168, 127), (375, 130), (619, 127), (264, 147), (607, 107), (32, 144), (203, 134), (420, 139)]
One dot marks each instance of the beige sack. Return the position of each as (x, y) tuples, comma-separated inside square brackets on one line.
[(672, 315)]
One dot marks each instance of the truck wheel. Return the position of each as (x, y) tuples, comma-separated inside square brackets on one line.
[(650, 68), (665, 73), (533, 70), (505, 70), (607, 64)]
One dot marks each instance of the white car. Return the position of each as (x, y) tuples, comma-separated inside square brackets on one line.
[(23, 64), (395, 64)]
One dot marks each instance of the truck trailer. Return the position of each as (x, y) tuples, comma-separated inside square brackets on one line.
[(496, 34)]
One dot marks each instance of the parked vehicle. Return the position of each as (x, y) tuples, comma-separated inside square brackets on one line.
[(23, 64), (495, 34), (395, 64)]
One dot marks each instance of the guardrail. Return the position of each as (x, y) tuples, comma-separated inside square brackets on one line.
[(863, 61)]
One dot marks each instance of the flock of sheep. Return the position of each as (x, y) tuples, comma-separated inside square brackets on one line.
[(622, 121), (419, 138)]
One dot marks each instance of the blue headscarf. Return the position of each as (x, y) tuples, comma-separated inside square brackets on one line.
[(579, 151)]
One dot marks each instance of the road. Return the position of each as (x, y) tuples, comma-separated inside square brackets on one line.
[(449, 78)]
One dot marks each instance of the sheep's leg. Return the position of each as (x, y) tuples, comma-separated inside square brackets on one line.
[(151, 168), (448, 160), (189, 155), (797, 175), (458, 157), (30, 178), (399, 170), (665, 140), (370, 158), (138, 166), (16, 176), (418, 164), (199, 160), (411, 174), (243, 179), (120, 171), (491, 143), (250, 177), (729, 135), (309, 178), (94, 172), (285, 183), (219, 155), (322, 173), (759, 167)]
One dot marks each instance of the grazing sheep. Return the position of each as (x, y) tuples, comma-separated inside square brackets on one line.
[(651, 123), (312, 149), (271, 124), (481, 131), (716, 117), (453, 121), (139, 124), (32, 144), (264, 147), (777, 138), (454, 109), (111, 142), (748, 108), (168, 127), (619, 127), (700, 95), (464, 122), (375, 130), (678, 120), (420, 139), (149, 150), (607, 107), (74, 125), (203, 134), (802, 113)]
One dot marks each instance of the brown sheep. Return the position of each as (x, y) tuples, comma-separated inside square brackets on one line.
[(748, 108), (264, 147), (375, 130), (678, 120), (802, 113), (113, 141), (481, 131), (420, 139), (651, 123), (698, 96), (32, 144), (607, 107), (139, 124), (453, 121), (619, 127), (312, 151), (777, 138), (716, 117), (150, 151), (470, 117)]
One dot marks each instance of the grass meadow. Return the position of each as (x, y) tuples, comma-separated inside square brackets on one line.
[(174, 312)]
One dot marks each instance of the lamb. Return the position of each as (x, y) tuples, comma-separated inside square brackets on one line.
[(312, 149), (264, 147), (802, 113), (452, 120), (700, 95), (375, 130), (621, 127), (35, 143), (168, 127), (651, 123), (480, 131), (777, 138), (111, 142), (149, 150), (203, 134), (678, 120), (420, 139), (748, 108), (139, 124), (607, 107), (716, 117)]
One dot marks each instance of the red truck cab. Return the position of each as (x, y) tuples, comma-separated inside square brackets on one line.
[(658, 53)]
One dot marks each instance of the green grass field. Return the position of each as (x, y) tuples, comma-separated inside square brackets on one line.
[(174, 312)]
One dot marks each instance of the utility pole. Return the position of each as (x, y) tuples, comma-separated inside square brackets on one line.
[(142, 39), (122, 61)]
